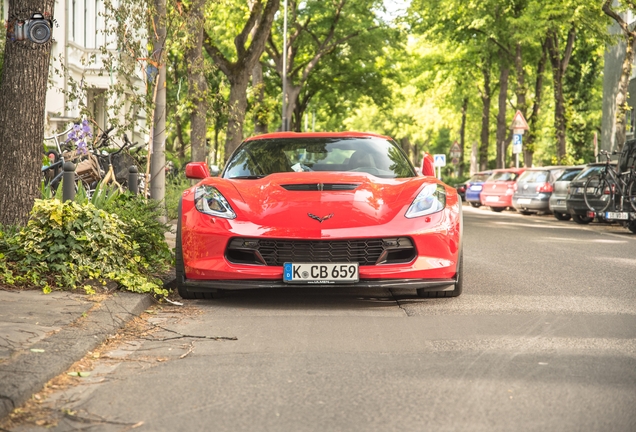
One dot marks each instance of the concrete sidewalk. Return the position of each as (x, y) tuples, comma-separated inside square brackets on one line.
[(42, 335)]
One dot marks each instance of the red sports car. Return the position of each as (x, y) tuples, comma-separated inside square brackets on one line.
[(326, 209)]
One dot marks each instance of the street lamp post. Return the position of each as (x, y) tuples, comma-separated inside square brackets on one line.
[(284, 125)]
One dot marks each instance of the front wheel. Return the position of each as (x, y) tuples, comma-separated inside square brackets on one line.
[(582, 220), (562, 216), (459, 285), (597, 193)]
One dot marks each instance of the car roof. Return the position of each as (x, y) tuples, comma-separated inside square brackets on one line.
[(351, 134), (514, 170)]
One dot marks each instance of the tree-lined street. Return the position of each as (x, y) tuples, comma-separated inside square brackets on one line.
[(543, 338)]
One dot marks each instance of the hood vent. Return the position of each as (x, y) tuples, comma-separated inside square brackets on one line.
[(321, 187)]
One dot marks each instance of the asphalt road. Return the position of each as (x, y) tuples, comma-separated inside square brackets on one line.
[(543, 338)]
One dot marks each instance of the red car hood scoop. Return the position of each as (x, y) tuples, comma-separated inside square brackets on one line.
[(320, 186)]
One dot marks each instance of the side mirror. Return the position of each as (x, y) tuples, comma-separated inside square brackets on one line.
[(215, 171), (428, 165), (197, 170)]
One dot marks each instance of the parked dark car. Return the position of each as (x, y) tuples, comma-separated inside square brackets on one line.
[(474, 186), (497, 191), (575, 202), (534, 188), (557, 203)]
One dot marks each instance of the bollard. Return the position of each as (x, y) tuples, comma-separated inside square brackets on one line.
[(68, 182), (133, 180)]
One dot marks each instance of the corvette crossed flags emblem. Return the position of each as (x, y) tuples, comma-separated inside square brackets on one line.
[(320, 219)]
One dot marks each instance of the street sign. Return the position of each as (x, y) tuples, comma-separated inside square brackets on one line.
[(517, 143), (519, 122), (440, 160), (455, 150), (455, 161)]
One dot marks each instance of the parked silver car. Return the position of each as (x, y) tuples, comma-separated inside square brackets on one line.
[(557, 204), (533, 189)]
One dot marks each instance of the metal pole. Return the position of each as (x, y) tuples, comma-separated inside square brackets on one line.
[(68, 182), (284, 126), (133, 180)]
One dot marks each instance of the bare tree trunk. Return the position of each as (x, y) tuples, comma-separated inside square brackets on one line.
[(22, 105), (485, 119), (559, 65), (533, 119), (197, 84), (502, 126)]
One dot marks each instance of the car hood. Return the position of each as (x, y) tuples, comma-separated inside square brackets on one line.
[(320, 200)]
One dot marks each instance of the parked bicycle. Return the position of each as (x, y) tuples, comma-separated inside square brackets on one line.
[(609, 187)]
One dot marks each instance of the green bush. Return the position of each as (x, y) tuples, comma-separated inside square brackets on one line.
[(69, 245)]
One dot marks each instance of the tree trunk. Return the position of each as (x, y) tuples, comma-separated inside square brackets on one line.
[(22, 112), (485, 119), (197, 83), (257, 28), (237, 109), (260, 110), (533, 119), (180, 149), (158, 157), (502, 126), (559, 66), (462, 137), (619, 125)]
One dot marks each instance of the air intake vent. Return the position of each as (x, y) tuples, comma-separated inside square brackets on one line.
[(321, 187)]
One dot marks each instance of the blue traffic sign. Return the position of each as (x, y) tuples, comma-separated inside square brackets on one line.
[(439, 160)]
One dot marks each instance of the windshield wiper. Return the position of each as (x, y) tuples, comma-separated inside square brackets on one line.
[(247, 177)]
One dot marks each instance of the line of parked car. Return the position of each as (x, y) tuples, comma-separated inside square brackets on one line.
[(554, 189)]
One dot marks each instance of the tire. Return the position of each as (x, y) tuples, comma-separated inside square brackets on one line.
[(632, 226), (581, 220), (497, 209), (525, 212), (475, 204), (594, 189), (631, 194), (562, 216), (179, 267), (459, 285)]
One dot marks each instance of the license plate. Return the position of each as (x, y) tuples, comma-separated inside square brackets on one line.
[(524, 201), (559, 202), (617, 215), (492, 198), (579, 190), (320, 273), (475, 188)]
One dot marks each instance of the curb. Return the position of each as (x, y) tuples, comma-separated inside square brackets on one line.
[(28, 372)]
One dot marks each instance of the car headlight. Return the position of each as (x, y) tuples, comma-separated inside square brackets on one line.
[(208, 200), (431, 199)]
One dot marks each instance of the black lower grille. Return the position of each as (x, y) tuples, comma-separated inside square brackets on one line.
[(277, 252)]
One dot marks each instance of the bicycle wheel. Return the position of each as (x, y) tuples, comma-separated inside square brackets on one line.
[(631, 193), (597, 193)]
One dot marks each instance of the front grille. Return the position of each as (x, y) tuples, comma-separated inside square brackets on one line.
[(363, 251)]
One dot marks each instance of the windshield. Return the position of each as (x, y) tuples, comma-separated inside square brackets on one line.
[(376, 156), (533, 177), (503, 176), (569, 175), (479, 178)]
